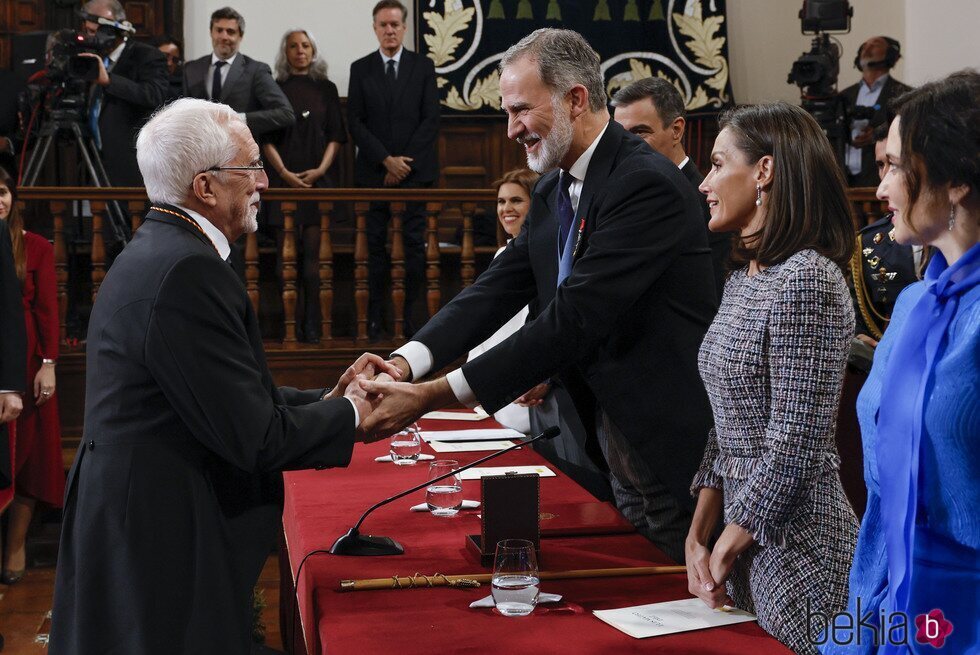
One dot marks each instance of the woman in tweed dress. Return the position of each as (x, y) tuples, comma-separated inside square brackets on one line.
[(773, 364)]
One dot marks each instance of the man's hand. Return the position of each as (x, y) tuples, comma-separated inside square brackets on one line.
[(391, 180), (864, 138), (365, 403), (367, 365), (10, 406), (535, 396), (103, 78), (398, 166), (401, 364), (403, 403)]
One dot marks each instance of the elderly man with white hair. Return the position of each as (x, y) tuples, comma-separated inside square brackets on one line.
[(173, 501)]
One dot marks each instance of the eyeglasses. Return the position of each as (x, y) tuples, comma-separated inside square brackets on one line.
[(258, 165)]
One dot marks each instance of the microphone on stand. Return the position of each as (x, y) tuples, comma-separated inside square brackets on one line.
[(354, 543)]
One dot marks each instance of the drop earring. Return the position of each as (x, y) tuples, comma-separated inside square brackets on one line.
[(952, 217), (758, 195)]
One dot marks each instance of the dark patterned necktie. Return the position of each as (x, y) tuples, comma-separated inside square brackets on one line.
[(216, 81), (566, 215), (390, 72)]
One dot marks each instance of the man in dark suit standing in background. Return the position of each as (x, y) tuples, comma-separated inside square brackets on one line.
[(393, 115), (174, 500), (653, 109), (131, 83), (614, 252), (875, 59), (228, 76), (245, 85)]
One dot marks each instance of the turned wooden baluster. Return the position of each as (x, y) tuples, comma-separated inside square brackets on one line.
[(136, 208), (467, 259), (252, 270), (398, 269), (60, 266), (433, 295), (326, 275), (361, 269), (98, 247), (289, 273)]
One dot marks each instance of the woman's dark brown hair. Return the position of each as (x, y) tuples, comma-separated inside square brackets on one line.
[(15, 224), (807, 205), (521, 176), (939, 123)]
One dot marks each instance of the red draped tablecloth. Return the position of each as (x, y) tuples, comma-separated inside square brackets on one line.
[(321, 505)]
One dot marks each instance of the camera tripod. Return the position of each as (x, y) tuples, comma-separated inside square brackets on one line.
[(71, 126)]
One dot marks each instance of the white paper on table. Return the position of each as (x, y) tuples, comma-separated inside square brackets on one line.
[(475, 415), (488, 434), (480, 471), (454, 447), (658, 619)]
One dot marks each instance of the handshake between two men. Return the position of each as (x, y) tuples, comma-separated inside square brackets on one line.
[(385, 400)]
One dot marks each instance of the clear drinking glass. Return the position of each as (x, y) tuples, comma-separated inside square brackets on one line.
[(515, 583), (406, 446), (444, 497)]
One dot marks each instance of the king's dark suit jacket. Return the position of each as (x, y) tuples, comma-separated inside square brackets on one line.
[(400, 122), (174, 500), (137, 86), (623, 329), (719, 242), (13, 342), (249, 89)]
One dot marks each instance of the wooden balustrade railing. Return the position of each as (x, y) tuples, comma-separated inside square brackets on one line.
[(443, 208)]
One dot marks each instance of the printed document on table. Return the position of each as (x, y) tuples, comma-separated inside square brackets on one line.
[(489, 434), (475, 415), (658, 619), (456, 447), (482, 471)]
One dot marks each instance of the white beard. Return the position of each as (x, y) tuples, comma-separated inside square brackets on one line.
[(250, 221), (554, 146)]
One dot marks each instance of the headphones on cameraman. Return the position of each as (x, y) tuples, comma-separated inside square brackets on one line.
[(892, 55), (120, 26)]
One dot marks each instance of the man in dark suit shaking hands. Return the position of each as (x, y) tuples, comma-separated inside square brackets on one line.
[(614, 251), (228, 76), (393, 115), (174, 498)]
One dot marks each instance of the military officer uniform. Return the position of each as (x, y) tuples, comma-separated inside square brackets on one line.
[(881, 267)]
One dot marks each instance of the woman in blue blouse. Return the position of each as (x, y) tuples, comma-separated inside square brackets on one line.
[(918, 554)]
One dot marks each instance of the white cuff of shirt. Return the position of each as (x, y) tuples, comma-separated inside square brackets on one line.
[(357, 415), (418, 356), (464, 394)]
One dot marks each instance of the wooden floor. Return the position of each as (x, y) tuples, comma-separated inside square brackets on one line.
[(25, 606)]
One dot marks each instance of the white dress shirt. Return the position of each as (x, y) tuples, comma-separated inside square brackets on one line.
[(419, 357), (224, 71), (867, 97), (397, 58)]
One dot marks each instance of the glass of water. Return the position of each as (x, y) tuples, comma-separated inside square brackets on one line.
[(406, 446), (444, 497), (515, 583)]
